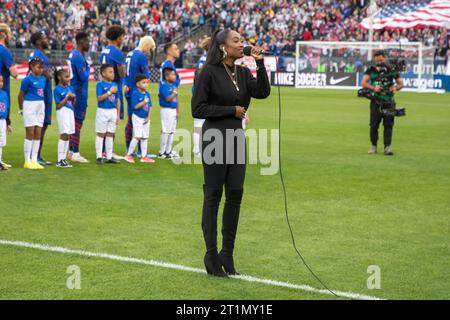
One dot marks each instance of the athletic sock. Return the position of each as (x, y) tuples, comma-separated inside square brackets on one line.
[(99, 146), (132, 147), (169, 143), (1, 154), (196, 138), (66, 148), (109, 143), (35, 149), (163, 142), (143, 147), (61, 150), (27, 146)]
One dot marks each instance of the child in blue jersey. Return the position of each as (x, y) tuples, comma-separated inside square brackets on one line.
[(108, 114), (141, 102), (168, 100), (64, 99), (32, 106), (4, 127)]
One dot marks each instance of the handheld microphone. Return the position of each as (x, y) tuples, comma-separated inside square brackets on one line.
[(248, 51)]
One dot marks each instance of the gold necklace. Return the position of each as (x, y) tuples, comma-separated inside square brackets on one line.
[(232, 75)]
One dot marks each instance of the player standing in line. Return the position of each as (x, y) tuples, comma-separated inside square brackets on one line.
[(136, 63), (113, 55), (198, 123), (64, 99), (40, 42), (168, 100), (141, 102), (79, 70), (7, 69), (108, 113), (172, 54), (32, 106), (4, 127)]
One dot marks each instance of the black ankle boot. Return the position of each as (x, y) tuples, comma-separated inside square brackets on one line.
[(213, 265), (226, 259)]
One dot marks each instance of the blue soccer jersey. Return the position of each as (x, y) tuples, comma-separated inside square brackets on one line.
[(33, 87), (79, 74), (199, 65), (6, 61), (136, 98), (48, 83), (4, 105), (169, 65), (165, 90), (60, 94), (136, 63), (113, 56), (102, 88)]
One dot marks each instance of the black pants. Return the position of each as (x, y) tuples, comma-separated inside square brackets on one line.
[(216, 177), (375, 119)]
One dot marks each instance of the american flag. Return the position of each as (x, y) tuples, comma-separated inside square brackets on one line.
[(417, 15)]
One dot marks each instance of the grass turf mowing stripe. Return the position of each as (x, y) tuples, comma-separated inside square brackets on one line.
[(155, 263)]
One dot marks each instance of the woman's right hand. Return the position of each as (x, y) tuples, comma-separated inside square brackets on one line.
[(239, 112)]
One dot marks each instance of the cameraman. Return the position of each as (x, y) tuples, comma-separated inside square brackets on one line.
[(379, 79)]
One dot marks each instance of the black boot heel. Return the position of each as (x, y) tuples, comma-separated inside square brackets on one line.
[(213, 266), (228, 264)]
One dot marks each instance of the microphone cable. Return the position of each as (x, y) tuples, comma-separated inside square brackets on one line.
[(284, 187)]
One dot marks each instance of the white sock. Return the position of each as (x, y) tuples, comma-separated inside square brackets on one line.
[(27, 146), (61, 150), (169, 143), (66, 148), (144, 148), (132, 147), (163, 142), (35, 149), (1, 154), (196, 138), (99, 146), (109, 143)]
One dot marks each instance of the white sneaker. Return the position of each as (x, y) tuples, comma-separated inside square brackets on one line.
[(7, 166), (174, 155), (76, 157), (372, 150), (117, 157)]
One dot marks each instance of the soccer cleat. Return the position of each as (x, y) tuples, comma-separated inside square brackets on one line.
[(117, 157), (147, 160), (8, 166), (36, 166), (174, 154), (388, 151), (372, 150), (162, 155), (43, 162), (62, 164), (169, 156), (100, 161), (76, 157), (67, 163), (129, 158), (112, 161), (3, 167)]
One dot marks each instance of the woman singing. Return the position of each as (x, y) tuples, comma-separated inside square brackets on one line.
[(222, 95)]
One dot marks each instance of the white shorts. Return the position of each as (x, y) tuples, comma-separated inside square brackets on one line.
[(33, 113), (66, 121), (198, 123), (168, 120), (105, 120), (2, 132), (140, 130)]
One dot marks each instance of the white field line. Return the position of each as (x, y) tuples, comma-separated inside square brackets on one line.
[(161, 264)]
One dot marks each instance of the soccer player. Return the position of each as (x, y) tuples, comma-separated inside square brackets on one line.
[(136, 63), (4, 127), (40, 42), (108, 113), (32, 106), (79, 70), (7, 69), (113, 55), (172, 54), (168, 100), (141, 111), (198, 123), (64, 99)]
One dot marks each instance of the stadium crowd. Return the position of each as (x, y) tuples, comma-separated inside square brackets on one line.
[(275, 25)]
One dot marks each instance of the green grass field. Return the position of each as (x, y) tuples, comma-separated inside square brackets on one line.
[(348, 210)]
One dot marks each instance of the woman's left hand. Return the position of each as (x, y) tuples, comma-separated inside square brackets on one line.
[(256, 53)]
